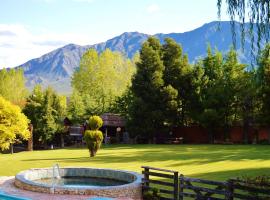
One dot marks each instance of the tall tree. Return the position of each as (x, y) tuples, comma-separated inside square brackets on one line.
[(76, 108), (13, 125), (12, 86), (102, 78), (220, 92), (263, 80), (178, 75), (210, 93), (46, 110), (233, 73), (247, 102), (150, 96), (33, 110)]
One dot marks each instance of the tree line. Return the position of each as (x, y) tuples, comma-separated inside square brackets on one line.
[(155, 91), (215, 92)]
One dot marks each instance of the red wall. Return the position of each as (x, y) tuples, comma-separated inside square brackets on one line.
[(198, 135)]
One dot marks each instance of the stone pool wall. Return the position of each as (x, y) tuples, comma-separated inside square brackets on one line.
[(133, 189)]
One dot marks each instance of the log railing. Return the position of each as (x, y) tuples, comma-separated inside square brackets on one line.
[(172, 186)]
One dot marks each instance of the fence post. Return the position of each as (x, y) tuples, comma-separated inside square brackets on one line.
[(181, 184), (230, 189), (146, 177), (176, 186)]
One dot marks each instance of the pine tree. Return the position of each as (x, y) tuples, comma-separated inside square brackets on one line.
[(147, 111)]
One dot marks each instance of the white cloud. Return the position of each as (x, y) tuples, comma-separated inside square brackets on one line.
[(153, 8), (18, 44)]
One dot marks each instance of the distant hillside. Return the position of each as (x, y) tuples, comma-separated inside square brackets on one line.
[(56, 68)]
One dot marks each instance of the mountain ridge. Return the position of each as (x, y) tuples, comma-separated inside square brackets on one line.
[(56, 67)]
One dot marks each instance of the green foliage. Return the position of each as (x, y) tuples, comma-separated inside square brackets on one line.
[(93, 139), (101, 79), (13, 124), (12, 86), (76, 108), (258, 182), (122, 104), (95, 122), (220, 91), (152, 194), (258, 15), (263, 85), (146, 113), (46, 110)]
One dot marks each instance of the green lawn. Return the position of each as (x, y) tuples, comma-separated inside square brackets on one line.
[(217, 162)]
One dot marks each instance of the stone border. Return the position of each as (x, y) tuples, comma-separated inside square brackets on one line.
[(26, 180)]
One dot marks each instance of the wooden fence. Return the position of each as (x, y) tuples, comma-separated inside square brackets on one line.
[(168, 187), (178, 187)]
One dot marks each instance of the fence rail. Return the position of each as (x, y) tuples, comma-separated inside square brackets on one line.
[(170, 192), (177, 187)]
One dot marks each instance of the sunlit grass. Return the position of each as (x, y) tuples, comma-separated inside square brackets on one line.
[(217, 162)]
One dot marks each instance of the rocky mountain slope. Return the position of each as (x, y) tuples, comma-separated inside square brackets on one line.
[(56, 68)]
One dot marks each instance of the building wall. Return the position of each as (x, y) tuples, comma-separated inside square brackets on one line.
[(199, 135)]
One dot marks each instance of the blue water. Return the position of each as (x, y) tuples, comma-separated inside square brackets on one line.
[(10, 197), (81, 181)]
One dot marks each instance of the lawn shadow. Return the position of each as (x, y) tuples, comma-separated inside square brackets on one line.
[(225, 175), (179, 154)]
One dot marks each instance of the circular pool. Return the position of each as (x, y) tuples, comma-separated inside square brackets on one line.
[(82, 181)]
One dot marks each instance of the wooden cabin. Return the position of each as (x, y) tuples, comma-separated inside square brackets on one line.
[(114, 128)]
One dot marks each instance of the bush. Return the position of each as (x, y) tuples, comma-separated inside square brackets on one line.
[(264, 141), (93, 139), (95, 122), (258, 182), (152, 194)]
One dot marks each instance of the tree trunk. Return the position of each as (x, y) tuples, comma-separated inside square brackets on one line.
[(62, 140), (30, 141), (245, 131), (92, 152), (11, 149), (211, 136), (268, 135)]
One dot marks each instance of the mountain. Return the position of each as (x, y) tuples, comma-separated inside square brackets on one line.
[(56, 68)]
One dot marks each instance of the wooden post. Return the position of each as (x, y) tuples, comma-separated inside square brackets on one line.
[(181, 189), (176, 186), (146, 177), (229, 193)]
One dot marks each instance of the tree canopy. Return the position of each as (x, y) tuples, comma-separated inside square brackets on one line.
[(12, 86), (13, 124), (46, 110), (101, 78)]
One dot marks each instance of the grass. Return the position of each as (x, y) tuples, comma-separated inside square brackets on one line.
[(217, 162)]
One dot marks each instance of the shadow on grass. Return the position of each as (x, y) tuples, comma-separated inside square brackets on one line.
[(180, 154), (225, 175)]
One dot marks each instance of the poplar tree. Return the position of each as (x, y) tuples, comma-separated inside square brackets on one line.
[(12, 86), (102, 78)]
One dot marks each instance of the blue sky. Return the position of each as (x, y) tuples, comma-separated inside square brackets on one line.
[(31, 28)]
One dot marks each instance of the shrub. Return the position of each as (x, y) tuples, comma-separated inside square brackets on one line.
[(152, 194), (95, 122), (93, 139), (264, 141)]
